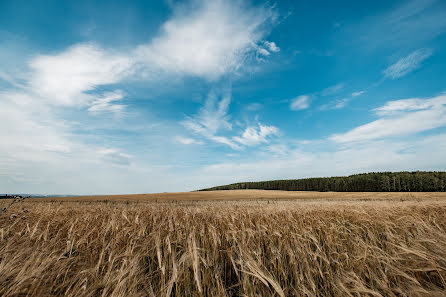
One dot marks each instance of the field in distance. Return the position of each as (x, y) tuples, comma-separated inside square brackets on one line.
[(256, 195), (225, 243)]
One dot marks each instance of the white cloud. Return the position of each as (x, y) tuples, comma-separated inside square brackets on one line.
[(10, 79), (407, 10), (226, 141), (207, 39), (29, 127), (267, 49), (407, 64), (114, 156), (356, 94), (277, 150), (254, 136), (399, 118), (397, 106), (105, 104), (263, 52), (65, 78), (332, 90), (271, 46), (341, 103), (213, 119), (301, 102), (185, 140), (40, 153)]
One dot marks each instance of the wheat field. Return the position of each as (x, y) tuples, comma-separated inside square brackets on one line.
[(225, 244)]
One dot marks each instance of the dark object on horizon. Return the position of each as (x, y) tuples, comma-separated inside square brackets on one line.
[(6, 196), (416, 181)]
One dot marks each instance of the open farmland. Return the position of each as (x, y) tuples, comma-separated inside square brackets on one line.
[(227, 195), (225, 243)]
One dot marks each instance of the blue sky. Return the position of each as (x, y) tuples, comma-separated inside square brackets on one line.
[(103, 97)]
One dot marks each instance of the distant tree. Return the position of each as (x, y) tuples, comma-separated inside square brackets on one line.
[(419, 181)]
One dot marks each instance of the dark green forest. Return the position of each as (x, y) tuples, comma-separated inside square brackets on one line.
[(417, 181)]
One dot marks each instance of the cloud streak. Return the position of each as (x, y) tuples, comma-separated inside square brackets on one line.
[(410, 23), (407, 64), (107, 105), (304, 101), (400, 118), (300, 102), (185, 140), (341, 103)]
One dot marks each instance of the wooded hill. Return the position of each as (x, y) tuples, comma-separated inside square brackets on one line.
[(417, 181)]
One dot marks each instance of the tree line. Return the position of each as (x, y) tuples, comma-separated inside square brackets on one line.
[(417, 181)]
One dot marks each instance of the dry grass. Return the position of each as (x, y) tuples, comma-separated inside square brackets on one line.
[(316, 246)]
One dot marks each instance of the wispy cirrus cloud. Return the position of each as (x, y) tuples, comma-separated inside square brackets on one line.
[(212, 117), (106, 104), (209, 39), (407, 64), (400, 118), (408, 105), (332, 90), (408, 23), (304, 101), (212, 120), (186, 140), (341, 103), (301, 102)]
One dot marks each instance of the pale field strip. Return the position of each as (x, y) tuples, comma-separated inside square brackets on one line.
[(259, 195)]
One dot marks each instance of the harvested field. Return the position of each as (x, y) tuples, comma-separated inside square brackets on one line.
[(226, 243)]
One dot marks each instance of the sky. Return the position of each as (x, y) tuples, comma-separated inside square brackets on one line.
[(114, 97)]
